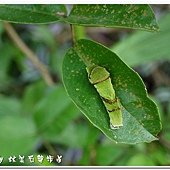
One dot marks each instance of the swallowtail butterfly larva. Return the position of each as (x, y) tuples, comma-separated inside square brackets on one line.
[(100, 78)]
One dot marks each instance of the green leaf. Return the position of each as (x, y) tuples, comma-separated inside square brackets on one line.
[(9, 106), (160, 156), (140, 160), (17, 134), (32, 95), (107, 154), (7, 53), (54, 112), (74, 136), (60, 122), (1, 32), (32, 14), (143, 47), (123, 16), (85, 159), (140, 115), (78, 135)]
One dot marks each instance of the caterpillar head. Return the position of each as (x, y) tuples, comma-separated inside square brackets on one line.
[(97, 74)]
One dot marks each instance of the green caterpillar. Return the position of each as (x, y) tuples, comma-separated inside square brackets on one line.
[(100, 78)]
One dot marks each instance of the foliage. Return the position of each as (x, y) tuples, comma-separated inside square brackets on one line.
[(134, 50), (76, 83), (37, 119)]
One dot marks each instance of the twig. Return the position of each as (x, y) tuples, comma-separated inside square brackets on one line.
[(38, 64), (29, 53)]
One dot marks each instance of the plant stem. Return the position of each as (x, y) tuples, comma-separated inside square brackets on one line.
[(29, 53), (78, 32), (73, 34)]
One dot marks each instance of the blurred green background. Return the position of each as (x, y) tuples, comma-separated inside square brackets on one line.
[(39, 120)]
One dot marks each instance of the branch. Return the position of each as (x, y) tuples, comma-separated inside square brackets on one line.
[(29, 53)]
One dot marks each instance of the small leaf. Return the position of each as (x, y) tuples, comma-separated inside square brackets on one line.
[(17, 134), (30, 100), (7, 52), (60, 123), (78, 135), (9, 106), (160, 155), (123, 16), (134, 50), (54, 112), (140, 160), (74, 136), (140, 115), (107, 154), (27, 14)]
